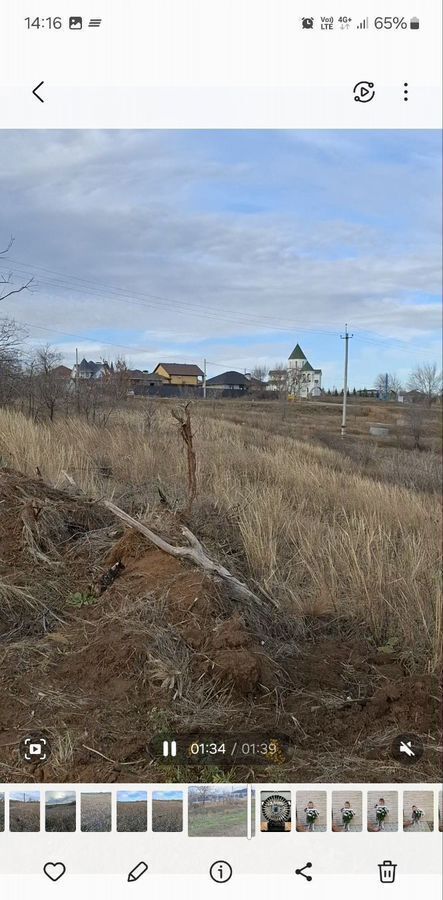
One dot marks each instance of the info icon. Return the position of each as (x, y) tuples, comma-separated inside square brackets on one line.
[(75, 23), (35, 748), (407, 749)]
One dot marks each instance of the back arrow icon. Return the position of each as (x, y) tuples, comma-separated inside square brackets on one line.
[(35, 92)]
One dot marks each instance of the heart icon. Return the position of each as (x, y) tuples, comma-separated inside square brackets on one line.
[(54, 871)]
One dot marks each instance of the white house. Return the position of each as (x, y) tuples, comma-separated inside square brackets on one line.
[(92, 371), (303, 379)]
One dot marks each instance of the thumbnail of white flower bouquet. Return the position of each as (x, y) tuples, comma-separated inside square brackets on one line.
[(347, 815), (312, 815)]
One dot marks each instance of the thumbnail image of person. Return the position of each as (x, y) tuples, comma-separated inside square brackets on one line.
[(382, 811), (418, 811), (347, 811), (311, 811)]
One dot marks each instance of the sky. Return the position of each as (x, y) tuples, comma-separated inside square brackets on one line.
[(131, 796), (176, 246)]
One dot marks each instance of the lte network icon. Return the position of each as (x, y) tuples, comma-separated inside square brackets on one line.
[(307, 23), (75, 23)]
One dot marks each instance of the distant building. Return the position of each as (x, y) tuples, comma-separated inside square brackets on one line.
[(228, 384), (62, 372), (89, 370), (179, 373), (303, 379), (144, 382)]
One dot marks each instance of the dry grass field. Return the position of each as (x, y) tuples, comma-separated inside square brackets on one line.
[(167, 815), (96, 812), (340, 538), (24, 815), (132, 816), (60, 817)]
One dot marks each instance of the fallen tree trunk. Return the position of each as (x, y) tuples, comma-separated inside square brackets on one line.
[(194, 552)]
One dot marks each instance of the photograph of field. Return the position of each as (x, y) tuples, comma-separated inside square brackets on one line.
[(383, 811), (347, 811), (60, 811), (440, 810), (96, 811), (167, 811), (311, 810), (218, 810), (175, 424), (2, 812), (418, 811), (132, 811), (24, 811)]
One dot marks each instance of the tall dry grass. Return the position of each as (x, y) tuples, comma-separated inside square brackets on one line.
[(313, 528)]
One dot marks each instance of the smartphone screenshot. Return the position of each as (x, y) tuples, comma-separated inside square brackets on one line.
[(220, 449)]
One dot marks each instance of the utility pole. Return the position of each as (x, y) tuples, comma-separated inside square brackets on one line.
[(204, 379), (345, 337), (77, 385)]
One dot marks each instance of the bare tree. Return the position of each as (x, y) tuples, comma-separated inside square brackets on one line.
[(260, 373), (49, 387), (278, 379), (394, 384), (7, 284), (426, 379), (11, 336)]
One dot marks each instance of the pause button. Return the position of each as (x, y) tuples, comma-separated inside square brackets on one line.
[(220, 871)]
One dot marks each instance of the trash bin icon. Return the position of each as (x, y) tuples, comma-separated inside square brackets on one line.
[(387, 871)]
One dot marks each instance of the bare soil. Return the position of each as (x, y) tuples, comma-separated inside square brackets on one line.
[(163, 647)]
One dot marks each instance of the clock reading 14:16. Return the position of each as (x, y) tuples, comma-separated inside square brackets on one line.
[(54, 22)]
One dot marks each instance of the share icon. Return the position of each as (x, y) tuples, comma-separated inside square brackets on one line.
[(302, 871)]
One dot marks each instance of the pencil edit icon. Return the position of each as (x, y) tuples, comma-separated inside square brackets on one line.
[(137, 871)]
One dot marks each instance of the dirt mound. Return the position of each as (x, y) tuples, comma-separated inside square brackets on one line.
[(107, 641)]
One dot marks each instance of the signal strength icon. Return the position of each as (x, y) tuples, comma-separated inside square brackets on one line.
[(364, 23)]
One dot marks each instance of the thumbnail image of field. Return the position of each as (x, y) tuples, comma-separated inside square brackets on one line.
[(24, 811), (383, 811), (132, 811), (305, 801), (418, 811), (60, 811), (167, 811), (440, 810), (2, 812), (96, 811), (217, 811)]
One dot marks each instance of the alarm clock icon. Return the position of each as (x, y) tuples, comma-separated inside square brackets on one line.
[(307, 23)]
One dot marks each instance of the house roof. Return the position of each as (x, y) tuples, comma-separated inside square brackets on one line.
[(228, 378), (179, 369), (306, 367), (91, 366), (63, 371), (297, 353)]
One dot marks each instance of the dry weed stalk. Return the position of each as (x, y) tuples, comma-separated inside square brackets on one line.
[(183, 417)]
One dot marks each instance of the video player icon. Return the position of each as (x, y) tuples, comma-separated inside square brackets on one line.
[(364, 91)]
